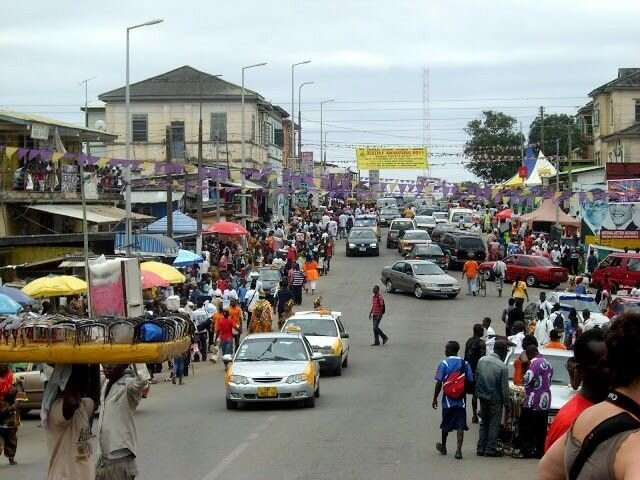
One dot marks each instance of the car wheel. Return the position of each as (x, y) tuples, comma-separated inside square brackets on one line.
[(337, 372), (377, 253), (345, 362), (417, 291), (388, 245), (449, 261), (614, 288), (389, 286), (347, 253), (452, 295), (316, 394), (231, 404), (310, 402), (531, 281), (486, 274)]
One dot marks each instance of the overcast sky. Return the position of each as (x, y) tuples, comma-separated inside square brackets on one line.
[(368, 55)]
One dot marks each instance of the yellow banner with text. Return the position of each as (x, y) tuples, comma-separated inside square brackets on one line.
[(402, 158)]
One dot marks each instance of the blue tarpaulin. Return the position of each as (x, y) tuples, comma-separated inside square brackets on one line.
[(186, 258), (182, 224), (147, 245)]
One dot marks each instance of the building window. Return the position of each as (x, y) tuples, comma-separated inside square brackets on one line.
[(267, 140), (218, 131), (278, 137), (596, 116), (598, 158), (139, 127), (611, 112), (637, 112), (253, 128)]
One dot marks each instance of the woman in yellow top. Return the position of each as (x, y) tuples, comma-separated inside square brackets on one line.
[(310, 269), (519, 292)]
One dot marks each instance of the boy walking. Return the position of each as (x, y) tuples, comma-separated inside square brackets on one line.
[(454, 413)]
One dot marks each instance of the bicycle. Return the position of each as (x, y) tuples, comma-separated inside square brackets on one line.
[(482, 285)]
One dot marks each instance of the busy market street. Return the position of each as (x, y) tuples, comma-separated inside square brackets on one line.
[(375, 421)]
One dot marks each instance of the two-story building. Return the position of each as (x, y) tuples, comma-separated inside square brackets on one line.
[(615, 119)]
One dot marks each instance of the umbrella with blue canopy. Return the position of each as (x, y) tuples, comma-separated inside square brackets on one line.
[(186, 258), (8, 305), (17, 295)]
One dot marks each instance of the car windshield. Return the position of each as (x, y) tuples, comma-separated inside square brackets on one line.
[(270, 274), (403, 225), (365, 222), (427, 250), (315, 327), (279, 349), (362, 234), (581, 304), (389, 211), (425, 219), (558, 362), (471, 243), (439, 215), (427, 269), (414, 235), (544, 262)]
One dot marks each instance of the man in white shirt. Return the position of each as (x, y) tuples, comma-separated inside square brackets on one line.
[(342, 224), (489, 336), (543, 329), (544, 305), (555, 255), (461, 222), (518, 336), (332, 228)]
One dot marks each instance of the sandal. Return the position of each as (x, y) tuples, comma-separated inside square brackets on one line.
[(441, 448)]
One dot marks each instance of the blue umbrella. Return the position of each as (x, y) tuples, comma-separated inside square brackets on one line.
[(186, 258), (9, 305), (17, 295)]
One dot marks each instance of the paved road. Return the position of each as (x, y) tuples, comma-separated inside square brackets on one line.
[(374, 422)]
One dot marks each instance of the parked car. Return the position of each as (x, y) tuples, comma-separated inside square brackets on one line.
[(398, 225), (425, 222), (270, 278), (421, 277), (533, 268), (426, 210), (442, 228), (623, 304), (387, 214), (362, 241), (466, 213), (561, 391), (623, 270), (458, 247), (441, 217), (568, 300), (409, 238), (368, 221), (386, 202), (29, 375), (273, 367), (431, 252)]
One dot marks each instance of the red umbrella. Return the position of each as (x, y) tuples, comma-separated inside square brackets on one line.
[(506, 213), (150, 280), (226, 228)]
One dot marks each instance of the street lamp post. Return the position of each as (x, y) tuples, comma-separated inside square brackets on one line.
[(300, 123), (127, 140), (293, 107), (324, 165), (243, 198)]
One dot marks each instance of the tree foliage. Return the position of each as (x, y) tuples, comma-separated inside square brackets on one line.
[(494, 146), (555, 128)]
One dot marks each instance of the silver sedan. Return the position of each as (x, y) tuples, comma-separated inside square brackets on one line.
[(420, 277), (273, 367)]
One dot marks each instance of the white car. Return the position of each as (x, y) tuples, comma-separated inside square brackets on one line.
[(568, 301), (561, 391), (326, 333)]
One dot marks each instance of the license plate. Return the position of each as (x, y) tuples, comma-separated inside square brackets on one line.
[(558, 274), (447, 289), (267, 392), (471, 254), (362, 249)]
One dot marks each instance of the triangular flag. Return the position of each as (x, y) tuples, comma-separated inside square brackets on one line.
[(10, 151), (102, 162), (317, 182), (590, 196), (56, 156)]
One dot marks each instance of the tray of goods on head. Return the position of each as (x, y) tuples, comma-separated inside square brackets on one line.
[(67, 339)]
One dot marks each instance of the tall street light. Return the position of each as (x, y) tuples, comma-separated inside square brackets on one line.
[(127, 140), (293, 107), (300, 123), (243, 198), (324, 165)]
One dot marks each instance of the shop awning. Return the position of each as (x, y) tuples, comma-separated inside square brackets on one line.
[(95, 213), (248, 185), (154, 196), (147, 245)]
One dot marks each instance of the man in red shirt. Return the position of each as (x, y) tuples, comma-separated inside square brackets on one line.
[(224, 331), (591, 371), (375, 315)]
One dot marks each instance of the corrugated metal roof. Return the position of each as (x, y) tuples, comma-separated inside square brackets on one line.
[(95, 213), (154, 196), (22, 117)]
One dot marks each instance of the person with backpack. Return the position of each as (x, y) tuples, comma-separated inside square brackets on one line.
[(604, 440), (499, 272), (452, 378)]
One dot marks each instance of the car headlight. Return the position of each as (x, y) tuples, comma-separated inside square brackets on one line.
[(324, 350), (456, 285), (298, 378), (430, 285), (352, 245), (239, 380), (373, 244)]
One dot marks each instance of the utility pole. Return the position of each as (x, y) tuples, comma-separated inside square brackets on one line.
[(218, 180), (168, 155), (558, 181), (542, 129), (521, 145), (199, 182), (569, 157), (85, 231)]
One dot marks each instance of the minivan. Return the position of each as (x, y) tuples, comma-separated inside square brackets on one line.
[(459, 247), (386, 202), (397, 226), (622, 269), (466, 213)]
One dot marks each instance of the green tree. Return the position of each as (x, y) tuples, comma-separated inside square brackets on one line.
[(555, 128), (494, 146)]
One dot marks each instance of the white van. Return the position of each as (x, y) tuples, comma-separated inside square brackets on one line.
[(456, 213), (386, 202)]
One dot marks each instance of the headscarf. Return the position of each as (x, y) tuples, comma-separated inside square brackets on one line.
[(6, 383), (57, 383)]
